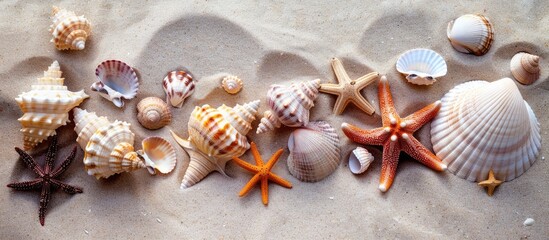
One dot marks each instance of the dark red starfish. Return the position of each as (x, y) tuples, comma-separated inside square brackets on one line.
[(46, 177)]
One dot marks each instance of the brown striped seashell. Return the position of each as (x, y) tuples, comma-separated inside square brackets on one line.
[(178, 85), (116, 81), (525, 68), (471, 33), (232, 84), (69, 31), (153, 113)]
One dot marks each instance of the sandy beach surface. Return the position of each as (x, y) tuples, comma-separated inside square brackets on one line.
[(266, 43)]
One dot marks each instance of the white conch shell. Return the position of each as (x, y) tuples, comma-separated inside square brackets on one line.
[(483, 126), (69, 31), (153, 113), (232, 84), (116, 80), (215, 136), (525, 67), (86, 124), (359, 160), (289, 105), (421, 66), (314, 151), (46, 106), (178, 85), (471, 33), (159, 155)]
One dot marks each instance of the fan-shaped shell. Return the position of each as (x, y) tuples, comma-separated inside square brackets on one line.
[(45, 108), (153, 113), (86, 124), (421, 66), (471, 33), (232, 84), (525, 67), (289, 105), (314, 151), (483, 126), (116, 81), (359, 160), (178, 85), (69, 31), (159, 155)]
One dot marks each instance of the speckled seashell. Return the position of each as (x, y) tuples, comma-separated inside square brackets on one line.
[(153, 113), (359, 160), (69, 31), (421, 66), (232, 84), (471, 33), (525, 67), (159, 155), (178, 85), (486, 125), (215, 136), (116, 81), (46, 107), (314, 151), (289, 105)]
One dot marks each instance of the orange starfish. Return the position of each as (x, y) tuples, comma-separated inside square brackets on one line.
[(262, 172), (491, 183), (396, 135)]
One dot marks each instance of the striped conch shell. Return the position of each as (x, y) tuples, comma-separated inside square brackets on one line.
[(46, 106), (178, 85), (471, 33), (525, 68), (289, 105), (215, 136), (486, 125), (69, 31), (232, 84), (153, 113)]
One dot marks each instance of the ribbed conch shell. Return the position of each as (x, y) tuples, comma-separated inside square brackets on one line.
[(289, 105), (46, 107), (486, 125), (471, 33), (153, 113), (178, 85), (525, 67), (116, 81), (359, 160), (69, 31), (215, 136), (232, 84), (158, 154), (421, 66), (314, 151)]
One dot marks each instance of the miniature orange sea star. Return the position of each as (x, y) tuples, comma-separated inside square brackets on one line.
[(491, 183), (262, 172), (396, 135)]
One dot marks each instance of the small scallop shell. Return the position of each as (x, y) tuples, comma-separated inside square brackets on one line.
[(159, 155), (153, 113), (232, 84), (525, 68), (314, 151), (421, 66), (471, 33), (178, 85), (360, 160), (116, 81), (68, 30)]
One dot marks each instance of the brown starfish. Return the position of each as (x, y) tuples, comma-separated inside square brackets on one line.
[(46, 177), (491, 183), (262, 173)]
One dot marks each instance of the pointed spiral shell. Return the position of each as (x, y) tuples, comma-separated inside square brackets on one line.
[(69, 31), (525, 67)]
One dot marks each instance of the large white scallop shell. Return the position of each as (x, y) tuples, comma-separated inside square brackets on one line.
[(69, 31), (178, 85), (314, 151), (471, 33), (153, 113), (359, 160), (46, 107), (486, 125), (421, 66), (159, 155), (116, 81), (525, 67)]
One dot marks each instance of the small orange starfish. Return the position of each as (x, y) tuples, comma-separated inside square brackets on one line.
[(396, 135), (262, 172), (491, 183)]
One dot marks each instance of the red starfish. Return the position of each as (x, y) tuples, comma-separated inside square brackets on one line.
[(46, 177), (396, 135)]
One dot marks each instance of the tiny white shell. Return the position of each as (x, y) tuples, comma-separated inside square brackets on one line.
[(178, 85), (528, 222), (116, 81), (421, 66), (471, 33), (232, 84), (525, 67), (159, 155), (359, 160)]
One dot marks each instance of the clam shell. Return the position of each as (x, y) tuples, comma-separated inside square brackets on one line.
[(45, 108), (359, 160), (232, 84), (486, 125), (153, 113), (69, 31), (86, 124), (116, 81), (525, 67), (421, 66), (178, 85), (471, 33), (159, 155), (314, 151)]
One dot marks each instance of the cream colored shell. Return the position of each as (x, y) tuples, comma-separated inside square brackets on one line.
[(158, 154), (525, 68), (232, 84), (471, 33), (153, 113), (69, 31), (359, 160)]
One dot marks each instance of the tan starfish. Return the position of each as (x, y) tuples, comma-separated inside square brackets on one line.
[(491, 183), (347, 90), (262, 173)]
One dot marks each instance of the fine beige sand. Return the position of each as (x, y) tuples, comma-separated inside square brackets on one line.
[(267, 43)]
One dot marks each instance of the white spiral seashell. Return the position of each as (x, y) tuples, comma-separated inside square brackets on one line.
[(471, 33), (86, 124), (525, 67), (178, 85), (486, 125), (421, 66), (153, 113), (232, 84), (116, 81), (359, 160), (69, 31)]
